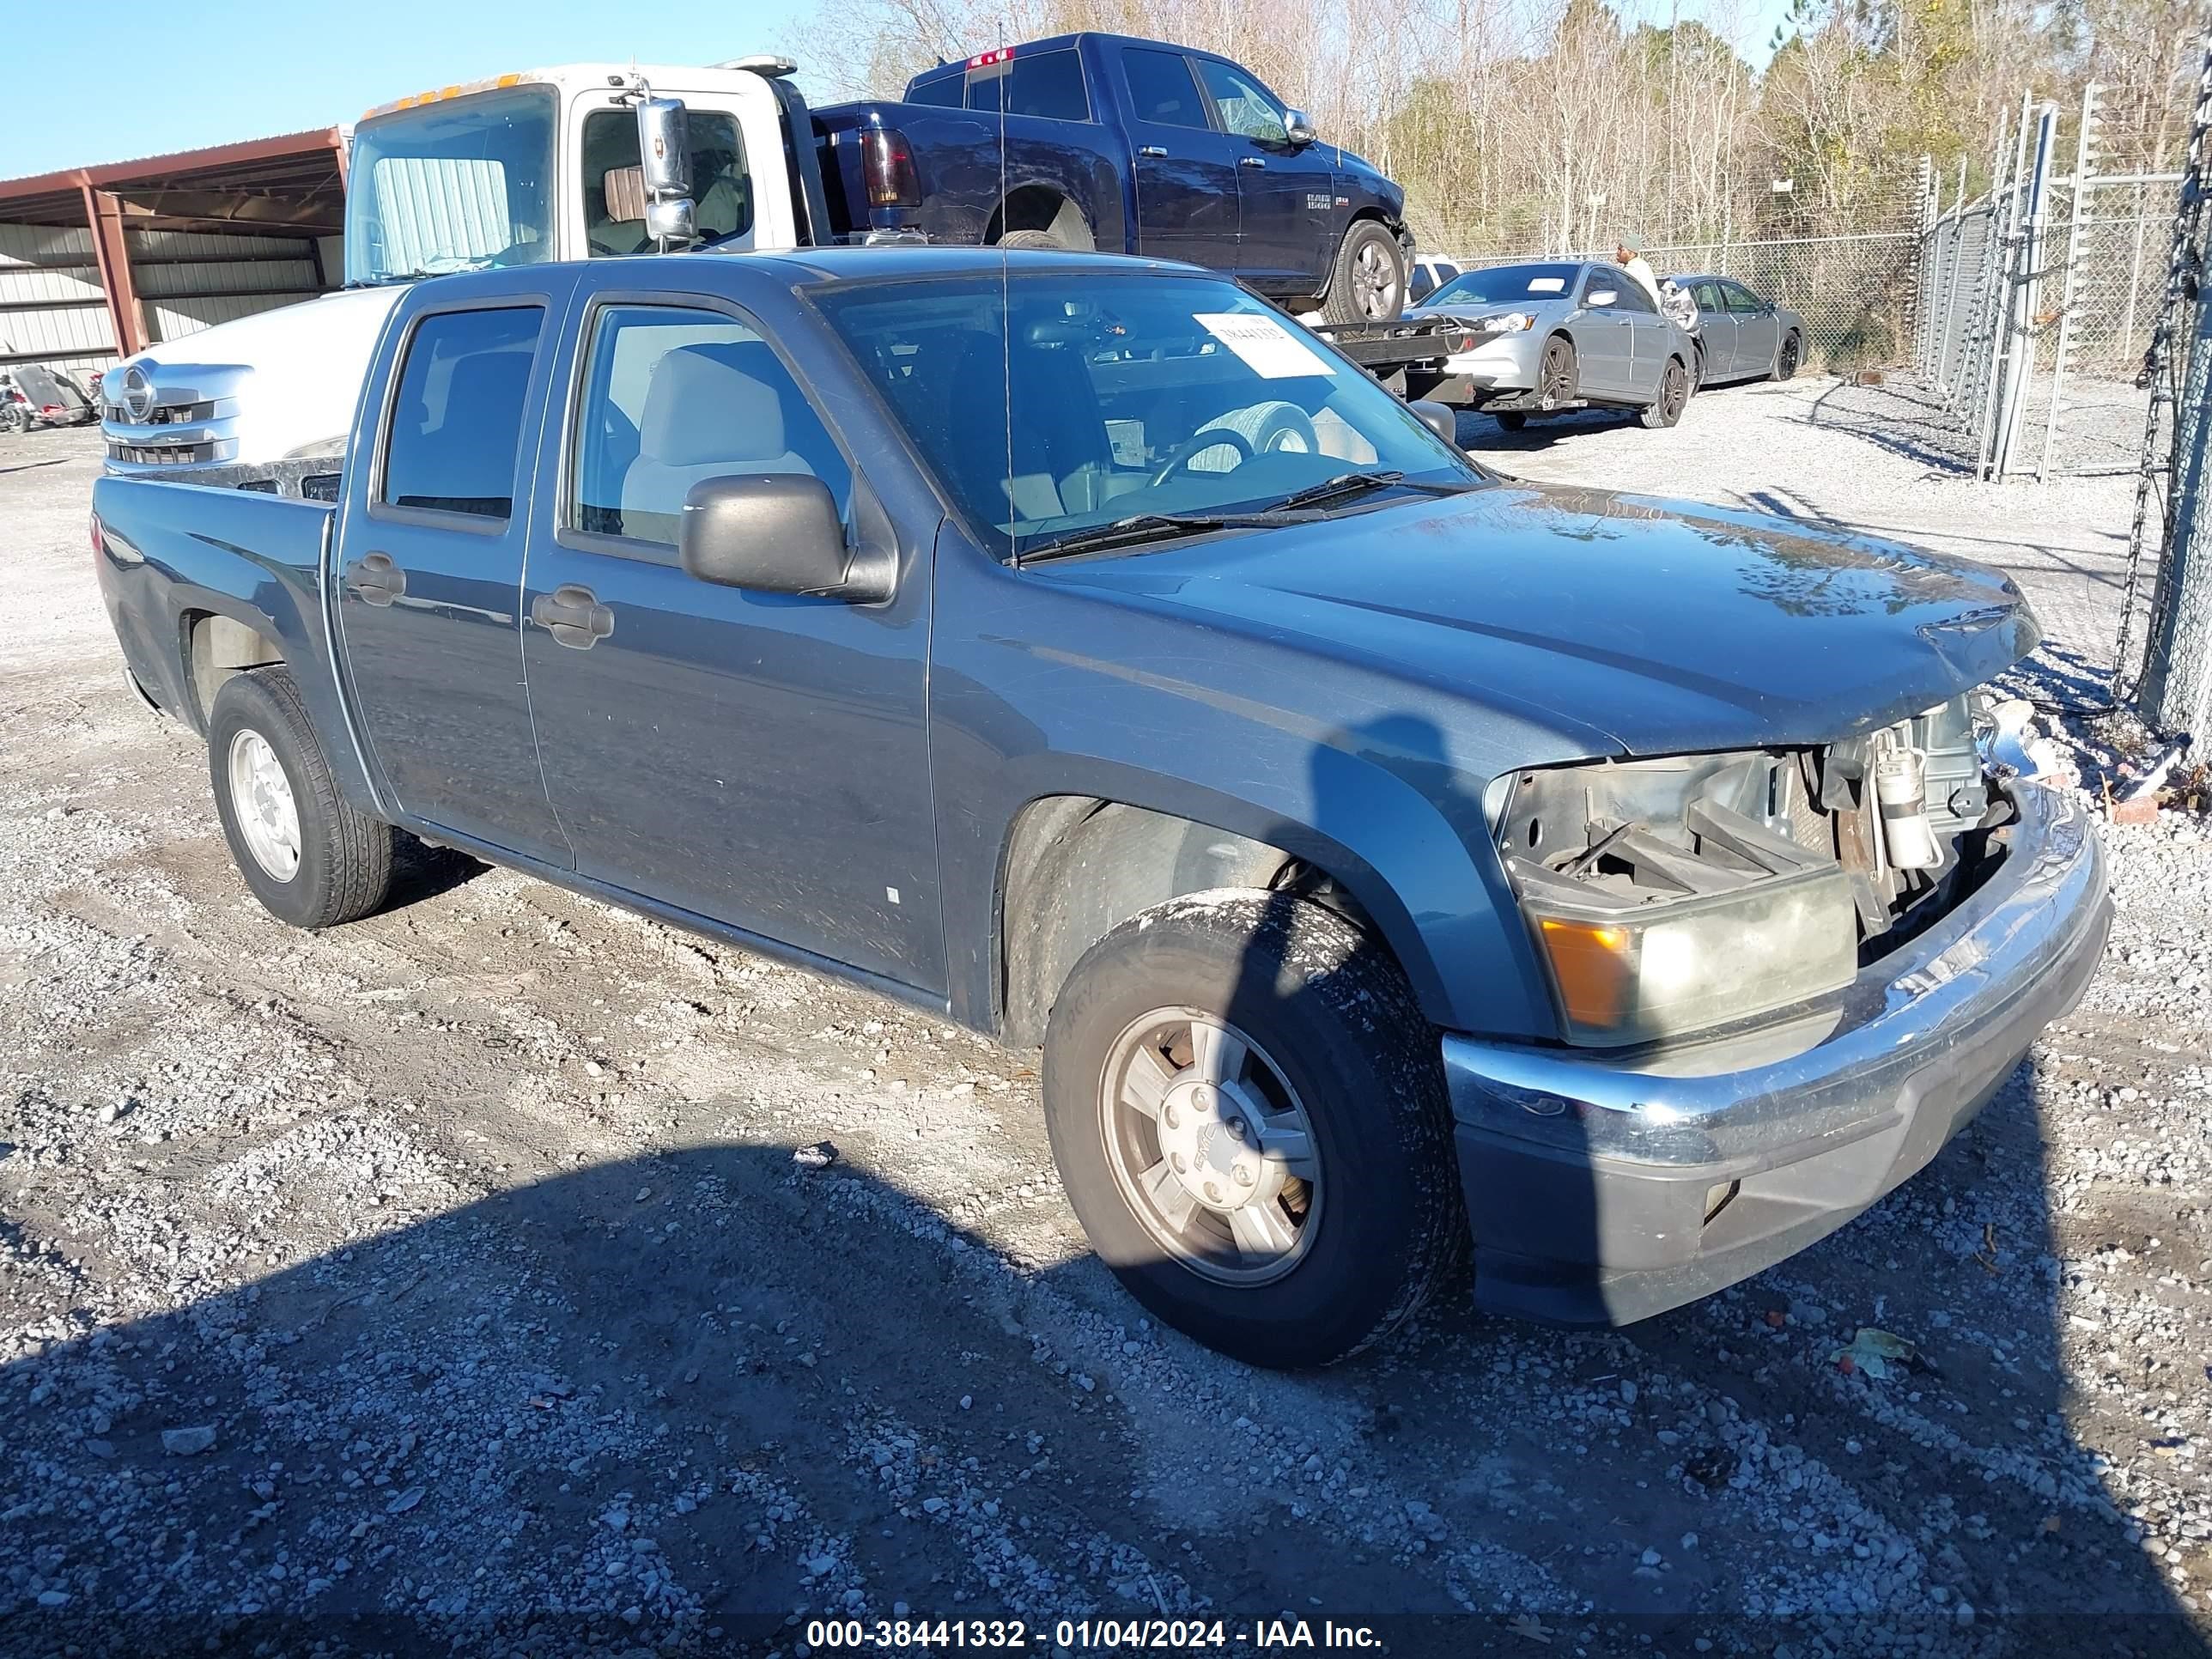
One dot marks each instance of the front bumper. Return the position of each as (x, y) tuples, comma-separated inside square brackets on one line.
[(1604, 1191)]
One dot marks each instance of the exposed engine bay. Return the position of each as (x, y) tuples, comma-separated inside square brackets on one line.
[(1680, 894)]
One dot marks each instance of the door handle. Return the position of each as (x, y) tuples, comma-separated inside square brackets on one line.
[(377, 579), (572, 615), (1252, 161), (1159, 150)]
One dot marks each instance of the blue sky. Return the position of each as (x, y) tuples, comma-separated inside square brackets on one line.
[(267, 67), (156, 84)]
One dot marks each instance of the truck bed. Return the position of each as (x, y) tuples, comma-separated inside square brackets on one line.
[(172, 555)]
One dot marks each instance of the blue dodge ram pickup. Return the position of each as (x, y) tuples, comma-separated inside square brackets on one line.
[(1124, 146), (1387, 857)]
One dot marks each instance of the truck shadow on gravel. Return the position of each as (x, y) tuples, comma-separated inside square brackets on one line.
[(674, 1400)]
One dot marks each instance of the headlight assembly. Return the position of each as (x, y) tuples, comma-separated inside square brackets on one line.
[(1671, 896), (1511, 322)]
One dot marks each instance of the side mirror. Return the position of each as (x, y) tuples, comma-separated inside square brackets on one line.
[(1300, 126), (664, 146), (1601, 297), (1440, 418), (774, 532)]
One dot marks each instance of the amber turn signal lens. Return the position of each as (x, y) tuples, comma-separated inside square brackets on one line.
[(1594, 966)]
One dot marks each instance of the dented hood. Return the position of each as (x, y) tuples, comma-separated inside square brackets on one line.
[(1642, 626)]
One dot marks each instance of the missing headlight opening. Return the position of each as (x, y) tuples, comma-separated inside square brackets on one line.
[(1704, 891)]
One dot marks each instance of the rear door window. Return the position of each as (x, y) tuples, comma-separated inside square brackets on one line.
[(1708, 296), (1046, 83), (1161, 89), (456, 420)]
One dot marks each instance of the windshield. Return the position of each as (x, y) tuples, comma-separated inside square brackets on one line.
[(452, 186), (1502, 285), (1123, 397)]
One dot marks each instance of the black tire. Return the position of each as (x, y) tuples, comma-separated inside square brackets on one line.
[(1698, 369), (1510, 420), (1786, 358), (344, 856), (1335, 1017), (1367, 284), (1673, 398), (1559, 373), (1037, 239)]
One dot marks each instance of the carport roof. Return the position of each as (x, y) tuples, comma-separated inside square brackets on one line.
[(292, 183)]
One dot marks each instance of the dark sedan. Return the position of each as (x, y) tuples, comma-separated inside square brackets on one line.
[(1741, 336)]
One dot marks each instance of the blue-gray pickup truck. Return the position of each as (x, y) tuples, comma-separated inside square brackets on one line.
[(1389, 858), (1106, 143)]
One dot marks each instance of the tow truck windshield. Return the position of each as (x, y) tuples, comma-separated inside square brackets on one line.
[(452, 186)]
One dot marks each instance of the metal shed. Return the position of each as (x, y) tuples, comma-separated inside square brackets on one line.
[(97, 263)]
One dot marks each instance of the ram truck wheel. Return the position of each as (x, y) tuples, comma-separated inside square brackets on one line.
[(311, 857), (1248, 1111), (1367, 284)]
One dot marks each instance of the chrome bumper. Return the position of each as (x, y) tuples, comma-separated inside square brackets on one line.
[(1603, 1191)]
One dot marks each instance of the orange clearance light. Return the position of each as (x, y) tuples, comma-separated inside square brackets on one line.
[(1592, 965)]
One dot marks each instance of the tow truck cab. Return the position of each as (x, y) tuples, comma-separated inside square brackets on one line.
[(583, 160)]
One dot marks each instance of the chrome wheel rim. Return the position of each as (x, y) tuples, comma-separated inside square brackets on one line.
[(261, 802), (1677, 392), (1210, 1147), (1374, 280)]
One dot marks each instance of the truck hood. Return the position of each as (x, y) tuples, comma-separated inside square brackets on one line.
[(1638, 626), (282, 381)]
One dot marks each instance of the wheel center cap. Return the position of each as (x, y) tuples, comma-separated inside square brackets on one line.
[(1210, 1143)]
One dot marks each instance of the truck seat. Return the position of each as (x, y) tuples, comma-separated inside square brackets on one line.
[(704, 417)]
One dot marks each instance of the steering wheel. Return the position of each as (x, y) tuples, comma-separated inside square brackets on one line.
[(1199, 442)]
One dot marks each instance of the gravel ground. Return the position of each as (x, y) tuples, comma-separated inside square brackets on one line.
[(448, 1280)]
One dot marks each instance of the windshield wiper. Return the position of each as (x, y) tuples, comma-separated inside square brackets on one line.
[(1153, 527), (1347, 484)]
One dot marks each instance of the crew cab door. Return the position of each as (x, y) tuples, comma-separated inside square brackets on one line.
[(1184, 169), (1285, 192), (429, 565), (756, 759)]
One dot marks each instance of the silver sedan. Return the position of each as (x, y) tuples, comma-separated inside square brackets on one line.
[(1741, 336), (1562, 334)]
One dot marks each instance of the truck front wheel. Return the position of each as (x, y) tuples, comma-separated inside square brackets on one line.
[(1368, 283), (309, 856), (1248, 1111)]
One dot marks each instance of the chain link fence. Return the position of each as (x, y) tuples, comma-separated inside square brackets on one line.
[(2037, 300)]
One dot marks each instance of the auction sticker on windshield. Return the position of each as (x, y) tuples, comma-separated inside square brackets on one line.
[(1268, 348)]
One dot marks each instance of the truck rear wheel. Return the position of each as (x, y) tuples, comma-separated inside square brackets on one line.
[(1368, 281), (1248, 1111), (310, 857)]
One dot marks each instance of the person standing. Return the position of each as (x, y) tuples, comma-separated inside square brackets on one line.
[(1640, 269)]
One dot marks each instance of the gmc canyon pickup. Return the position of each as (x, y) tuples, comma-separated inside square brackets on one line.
[(1388, 856)]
